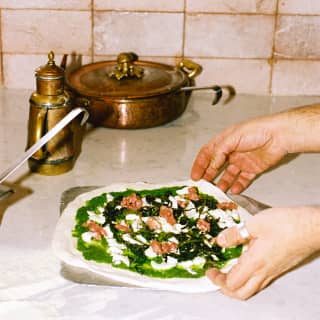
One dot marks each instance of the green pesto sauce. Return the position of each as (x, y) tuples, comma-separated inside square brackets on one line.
[(190, 246)]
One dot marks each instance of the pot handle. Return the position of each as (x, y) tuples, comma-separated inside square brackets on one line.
[(191, 68), (217, 90)]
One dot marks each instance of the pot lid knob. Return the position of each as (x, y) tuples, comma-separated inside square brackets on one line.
[(126, 68), (50, 70)]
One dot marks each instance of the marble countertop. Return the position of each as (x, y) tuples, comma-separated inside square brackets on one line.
[(32, 283)]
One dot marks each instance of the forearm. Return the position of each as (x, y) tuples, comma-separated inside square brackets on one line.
[(312, 229), (299, 129)]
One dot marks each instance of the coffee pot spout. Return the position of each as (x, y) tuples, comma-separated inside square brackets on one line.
[(63, 63)]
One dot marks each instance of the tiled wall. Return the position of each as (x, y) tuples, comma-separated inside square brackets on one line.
[(258, 46)]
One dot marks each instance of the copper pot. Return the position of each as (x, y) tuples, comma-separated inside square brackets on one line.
[(132, 94)]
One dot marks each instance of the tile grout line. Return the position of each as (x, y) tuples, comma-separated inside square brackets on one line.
[(275, 25), (183, 29), (304, 59), (92, 30), (165, 11), (1, 50)]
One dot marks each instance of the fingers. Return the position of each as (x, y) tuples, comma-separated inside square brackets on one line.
[(228, 177), (201, 163), (207, 164), (243, 271), (235, 179), (218, 278), (239, 275), (244, 288), (214, 167), (251, 287), (232, 237)]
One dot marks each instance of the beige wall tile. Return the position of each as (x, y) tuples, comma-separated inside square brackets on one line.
[(232, 6), (1, 75), (298, 37), (299, 6), (246, 76), (47, 4), (166, 60), (19, 69), (147, 5), (39, 31), (240, 36), (296, 78), (149, 34)]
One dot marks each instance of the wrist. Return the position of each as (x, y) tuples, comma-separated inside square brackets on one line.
[(298, 129), (315, 226), (310, 224)]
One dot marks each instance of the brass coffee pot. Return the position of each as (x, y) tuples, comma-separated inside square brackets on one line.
[(48, 105)]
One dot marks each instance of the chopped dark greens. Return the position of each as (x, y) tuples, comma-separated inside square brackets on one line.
[(191, 241)]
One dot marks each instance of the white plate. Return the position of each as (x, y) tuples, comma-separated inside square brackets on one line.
[(64, 245)]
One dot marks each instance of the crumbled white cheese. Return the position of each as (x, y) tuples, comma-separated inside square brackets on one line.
[(126, 237), (199, 261), (115, 247), (191, 211), (108, 231), (187, 265), (167, 227), (99, 218), (109, 197), (135, 221), (150, 253), (235, 215), (171, 262), (142, 239), (214, 257), (203, 215), (100, 209), (132, 217), (207, 243), (224, 218), (173, 239), (183, 191), (145, 202), (87, 236), (118, 258), (174, 201)]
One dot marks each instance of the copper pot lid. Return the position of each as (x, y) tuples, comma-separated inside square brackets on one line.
[(129, 78)]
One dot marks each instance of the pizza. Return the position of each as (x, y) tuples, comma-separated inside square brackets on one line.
[(158, 236)]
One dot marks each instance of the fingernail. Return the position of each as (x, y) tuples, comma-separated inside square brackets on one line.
[(212, 272), (222, 241)]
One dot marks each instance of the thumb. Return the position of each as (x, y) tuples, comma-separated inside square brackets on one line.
[(233, 236)]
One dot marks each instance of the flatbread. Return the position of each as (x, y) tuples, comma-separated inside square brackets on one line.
[(65, 245)]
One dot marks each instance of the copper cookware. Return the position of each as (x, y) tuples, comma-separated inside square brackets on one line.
[(129, 93)]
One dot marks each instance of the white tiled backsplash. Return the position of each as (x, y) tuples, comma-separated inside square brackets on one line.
[(257, 46)]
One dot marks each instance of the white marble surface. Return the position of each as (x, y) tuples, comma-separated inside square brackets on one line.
[(32, 285)]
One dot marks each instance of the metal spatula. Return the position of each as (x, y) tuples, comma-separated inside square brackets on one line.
[(43, 140)]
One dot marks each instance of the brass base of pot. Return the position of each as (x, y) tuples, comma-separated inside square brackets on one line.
[(51, 168)]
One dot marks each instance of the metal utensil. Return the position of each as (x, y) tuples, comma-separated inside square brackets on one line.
[(42, 141), (251, 205)]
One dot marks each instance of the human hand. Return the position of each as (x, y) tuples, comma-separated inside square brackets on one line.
[(243, 150), (280, 238)]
